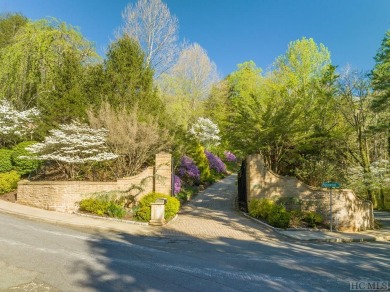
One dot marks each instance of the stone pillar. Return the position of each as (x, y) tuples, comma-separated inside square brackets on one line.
[(163, 174), (255, 174)]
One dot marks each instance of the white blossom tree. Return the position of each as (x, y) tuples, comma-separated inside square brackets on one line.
[(15, 124), (72, 145), (206, 132)]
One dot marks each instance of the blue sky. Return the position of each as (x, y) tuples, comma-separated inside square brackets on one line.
[(234, 31)]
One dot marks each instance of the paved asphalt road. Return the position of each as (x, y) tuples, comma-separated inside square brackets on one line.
[(36, 256)]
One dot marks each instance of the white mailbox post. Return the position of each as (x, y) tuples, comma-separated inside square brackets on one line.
[(157, 212)]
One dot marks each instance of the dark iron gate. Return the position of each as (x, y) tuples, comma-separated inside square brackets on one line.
[(242, 200)]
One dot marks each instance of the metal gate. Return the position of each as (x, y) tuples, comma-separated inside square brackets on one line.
[(242, 202)]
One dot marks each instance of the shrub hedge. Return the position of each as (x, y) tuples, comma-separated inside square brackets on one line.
[(5, 160), (8, 181), (102, 205), (269, 211), (277, 215)]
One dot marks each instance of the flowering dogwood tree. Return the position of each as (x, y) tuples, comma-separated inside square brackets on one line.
[(206, 131), (15, 124), (73, 144)]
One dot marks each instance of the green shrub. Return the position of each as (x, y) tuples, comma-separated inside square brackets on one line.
[(5, 160), (232, 167), (269, 211), (115, 210), (260, 208), (102, 205), (198, 155), (279, 217), (8, 181), (143, 211), (142, 214), (312, 219), (186, 193), (296, 217), (215, 176), (94, 206), (23, 165)]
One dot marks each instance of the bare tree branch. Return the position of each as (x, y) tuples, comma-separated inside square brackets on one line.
[(152, 25)]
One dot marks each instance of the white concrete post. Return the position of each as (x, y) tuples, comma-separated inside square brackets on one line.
[(157, 212)]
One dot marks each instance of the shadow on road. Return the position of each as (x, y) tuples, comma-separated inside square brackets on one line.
[(182, 263), (212, 247)]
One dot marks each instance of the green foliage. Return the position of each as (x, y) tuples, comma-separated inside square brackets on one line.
[(5, 160), (380, 77), (116, 211), (43, 67), (9, 26), (143, 209), (196, 152), (279, 217), (68, 102), (186, 193), (312, 219), (143, 213), (8, 181), (261, 208), (296, 217), (102, 205), (23, 165), (94, 205), (266, 209), (129, 80)]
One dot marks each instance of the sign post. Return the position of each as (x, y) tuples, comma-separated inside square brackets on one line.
[(330, 185)]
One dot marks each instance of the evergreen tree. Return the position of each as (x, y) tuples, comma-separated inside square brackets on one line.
[(129, 80)]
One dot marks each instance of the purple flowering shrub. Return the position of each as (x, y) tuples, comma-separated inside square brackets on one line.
[(188, 171), (230, 157), (177, 185), (215, 163)]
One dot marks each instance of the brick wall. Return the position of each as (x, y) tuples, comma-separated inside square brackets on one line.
[(348, 211), (63, 195)]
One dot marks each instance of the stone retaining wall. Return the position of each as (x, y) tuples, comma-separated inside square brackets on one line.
[(63, 195), (348, 211)]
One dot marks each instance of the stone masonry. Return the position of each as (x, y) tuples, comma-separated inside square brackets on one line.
[(348, 211), (63, 195)]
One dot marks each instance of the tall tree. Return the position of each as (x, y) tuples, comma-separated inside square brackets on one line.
[(244, 121), (68, 101), (30, 64), (288, 114), (129, 79), (380, 77), (152, 25), (187, 85), (354, 104), (9, 26)]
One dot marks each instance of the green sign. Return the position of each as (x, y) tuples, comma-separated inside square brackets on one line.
[(330, 185)]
